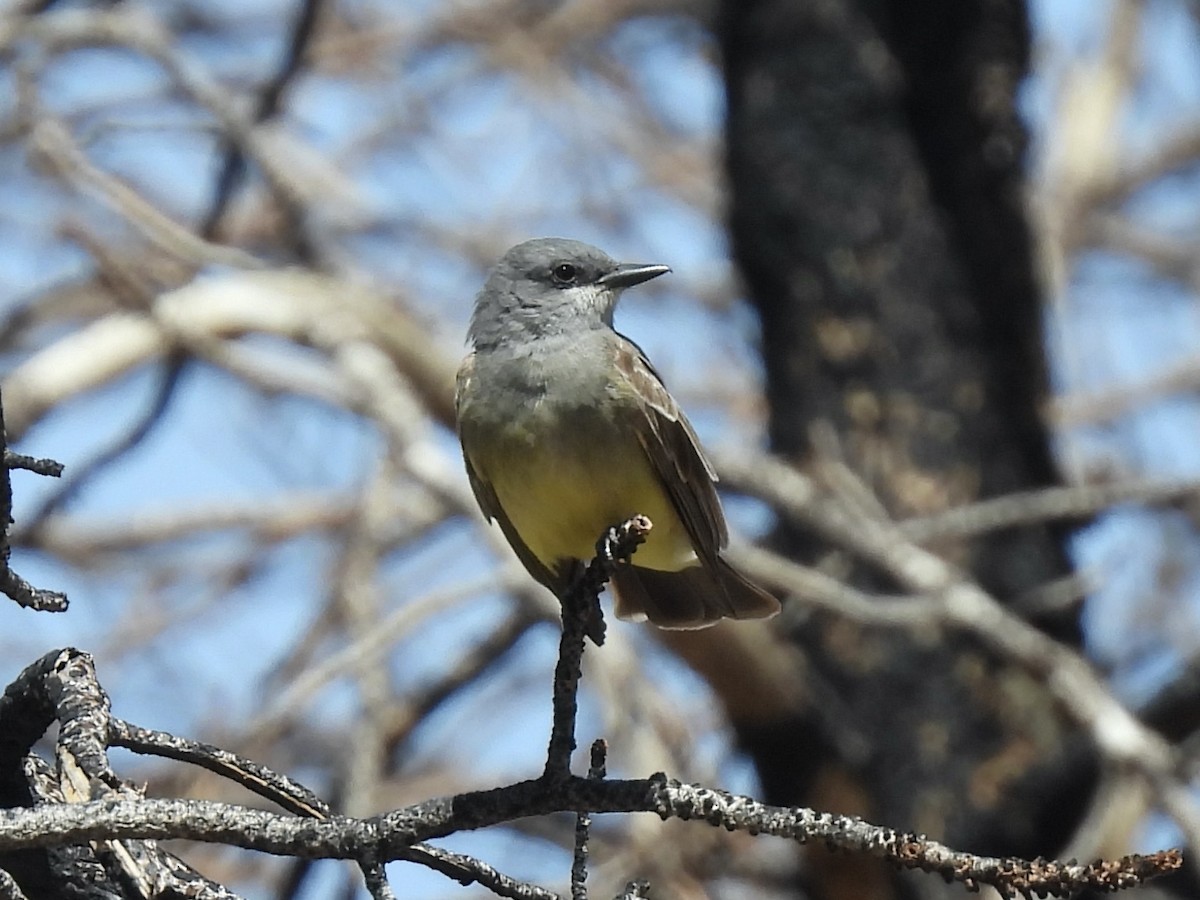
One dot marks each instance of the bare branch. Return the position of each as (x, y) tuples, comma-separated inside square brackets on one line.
[(13, 585), (392, 834)]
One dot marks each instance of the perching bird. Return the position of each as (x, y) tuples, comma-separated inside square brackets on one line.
[(567, 430)]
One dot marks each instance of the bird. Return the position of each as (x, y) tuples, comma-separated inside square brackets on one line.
[(567, 430)]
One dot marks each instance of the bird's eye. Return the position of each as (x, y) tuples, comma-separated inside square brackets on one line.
[(564, 273)]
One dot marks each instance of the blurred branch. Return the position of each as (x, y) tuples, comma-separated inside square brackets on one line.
[(356, 599), (269, 519), (409, 711), (294, 305), (952, 599), (164, 392), (295, 173), (233, 166), (1044, 505), (1173, 153), (1172, 257), (1106, 406), (1083, 158), (51, 142), (302, 687)]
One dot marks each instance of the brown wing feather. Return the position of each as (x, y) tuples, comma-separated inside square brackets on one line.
[(674, 451), (489, 503)]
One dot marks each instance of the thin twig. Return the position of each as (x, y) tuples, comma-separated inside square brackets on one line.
[(598, 769), (581, 617), (51, 468), (635, 890), (13, 585)]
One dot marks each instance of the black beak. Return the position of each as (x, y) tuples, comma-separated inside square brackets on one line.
[(628, 274)]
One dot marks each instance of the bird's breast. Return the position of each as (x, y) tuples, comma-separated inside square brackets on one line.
[(565, 463)]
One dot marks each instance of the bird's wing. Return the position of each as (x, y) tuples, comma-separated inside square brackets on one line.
[(674, 452), (489, 503)]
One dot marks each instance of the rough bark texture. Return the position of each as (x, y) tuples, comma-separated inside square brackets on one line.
[(875, 165)]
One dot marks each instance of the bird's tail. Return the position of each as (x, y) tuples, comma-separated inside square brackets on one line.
[(690, 598)]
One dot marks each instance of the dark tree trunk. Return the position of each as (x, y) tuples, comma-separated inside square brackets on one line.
[(875, 158)]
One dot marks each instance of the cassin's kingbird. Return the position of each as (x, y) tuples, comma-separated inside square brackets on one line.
[(567, 430)]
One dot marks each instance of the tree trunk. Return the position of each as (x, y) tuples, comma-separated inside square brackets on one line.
[(875, 157)]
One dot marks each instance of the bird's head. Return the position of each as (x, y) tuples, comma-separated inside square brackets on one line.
[(552, 286)]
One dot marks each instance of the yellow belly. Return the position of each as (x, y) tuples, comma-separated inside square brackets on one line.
[(562, 495)]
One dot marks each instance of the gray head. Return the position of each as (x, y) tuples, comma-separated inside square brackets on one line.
[(551, 286)]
